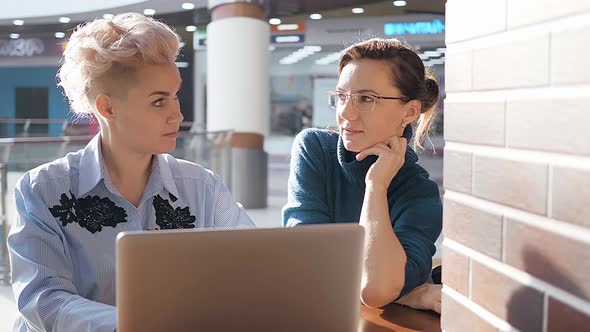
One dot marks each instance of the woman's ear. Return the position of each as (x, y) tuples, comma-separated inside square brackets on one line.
[(104, 106), (412, 109)]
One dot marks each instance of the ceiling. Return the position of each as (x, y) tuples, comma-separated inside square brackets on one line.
[(172, 13)]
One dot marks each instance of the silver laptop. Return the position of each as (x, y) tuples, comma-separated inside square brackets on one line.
[(296, 279)]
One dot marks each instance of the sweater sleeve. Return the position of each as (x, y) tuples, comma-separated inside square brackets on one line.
[(417, 226), (307, 198)]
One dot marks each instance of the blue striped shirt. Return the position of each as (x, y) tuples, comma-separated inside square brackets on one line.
[(62, 245)]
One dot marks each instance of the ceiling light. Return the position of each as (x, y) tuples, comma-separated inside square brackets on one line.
[(432, 53), (328, 59), (149, 12), (288, 61), (191, 28), (441, 49), (59, 35), (188, 6), (108, 16), (181, 64), (14, 35), (18, 22), (64, 19), (315, 16), (275, 21), (399, 3), (313, 49), (358, 10), (300, 54)]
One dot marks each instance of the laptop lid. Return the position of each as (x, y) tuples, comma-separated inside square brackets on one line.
[(284, 279)]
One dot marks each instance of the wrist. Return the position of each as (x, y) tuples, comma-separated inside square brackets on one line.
[(375, 188)]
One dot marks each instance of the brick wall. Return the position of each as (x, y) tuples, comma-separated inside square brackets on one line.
[(516, 249)]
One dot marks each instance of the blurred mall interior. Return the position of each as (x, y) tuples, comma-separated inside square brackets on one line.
[(300, 56)]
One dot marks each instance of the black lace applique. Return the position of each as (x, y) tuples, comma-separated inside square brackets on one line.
[(168, 217), (90, 212)]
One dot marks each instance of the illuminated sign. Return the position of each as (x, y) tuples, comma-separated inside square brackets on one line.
[(30, 47), (414, 28), (287, 39), (22, 47)]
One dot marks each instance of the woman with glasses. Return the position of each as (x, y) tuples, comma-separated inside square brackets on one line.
[(367, 173), (70, 211)]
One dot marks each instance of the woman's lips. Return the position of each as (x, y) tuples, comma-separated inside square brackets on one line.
[(350, 132)]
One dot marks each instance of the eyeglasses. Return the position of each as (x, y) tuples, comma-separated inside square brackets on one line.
[(362, 102)]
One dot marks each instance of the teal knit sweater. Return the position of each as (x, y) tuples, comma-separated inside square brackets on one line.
[(327, 185)]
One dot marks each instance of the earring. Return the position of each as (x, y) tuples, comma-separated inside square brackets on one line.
[(404, 124)]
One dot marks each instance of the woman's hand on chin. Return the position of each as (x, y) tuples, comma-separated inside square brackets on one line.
[(391, 157)]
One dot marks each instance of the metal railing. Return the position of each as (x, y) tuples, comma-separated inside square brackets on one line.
[(17, 155), (10, 127), (4, 264)]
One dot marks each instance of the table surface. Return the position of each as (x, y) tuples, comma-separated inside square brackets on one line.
[(395, 317)]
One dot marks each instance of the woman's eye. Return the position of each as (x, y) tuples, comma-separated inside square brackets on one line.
[(158, 103), (366, 99), (342, 97)]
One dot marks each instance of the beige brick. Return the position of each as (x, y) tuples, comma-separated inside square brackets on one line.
[(455, 273), (556, 259), (548, 124), (571, 195), (476, 123), (569, 63), (479, 230), (519, 305), (455, 317), (521, 12), (514, 183), (466, 19), (457, 171), (458, 70), (518, 63), (562, 317)]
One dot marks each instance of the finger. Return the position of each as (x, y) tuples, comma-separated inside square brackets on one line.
[(377, 151), (395, 140), (382, 146), (398, 144)]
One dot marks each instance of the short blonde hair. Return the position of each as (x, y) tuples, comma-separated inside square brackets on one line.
[(106, 52)]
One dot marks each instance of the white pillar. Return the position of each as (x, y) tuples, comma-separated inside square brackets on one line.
[(238, 87), (238, 92)]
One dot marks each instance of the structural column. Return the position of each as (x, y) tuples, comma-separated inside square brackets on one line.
[(238, 91)]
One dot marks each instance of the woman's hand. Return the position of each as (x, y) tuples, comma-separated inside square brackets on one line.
[(391, 155)]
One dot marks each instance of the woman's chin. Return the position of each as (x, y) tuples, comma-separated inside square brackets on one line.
[(352, 147)]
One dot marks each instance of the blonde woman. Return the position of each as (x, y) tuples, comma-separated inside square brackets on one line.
[(367, 173), (62, 245)]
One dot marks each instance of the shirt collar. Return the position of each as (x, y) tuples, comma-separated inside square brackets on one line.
[(91, 166), (163, 168), (92, 171)]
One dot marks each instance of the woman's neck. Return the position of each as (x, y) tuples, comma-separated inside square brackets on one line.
[(129, 171)]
